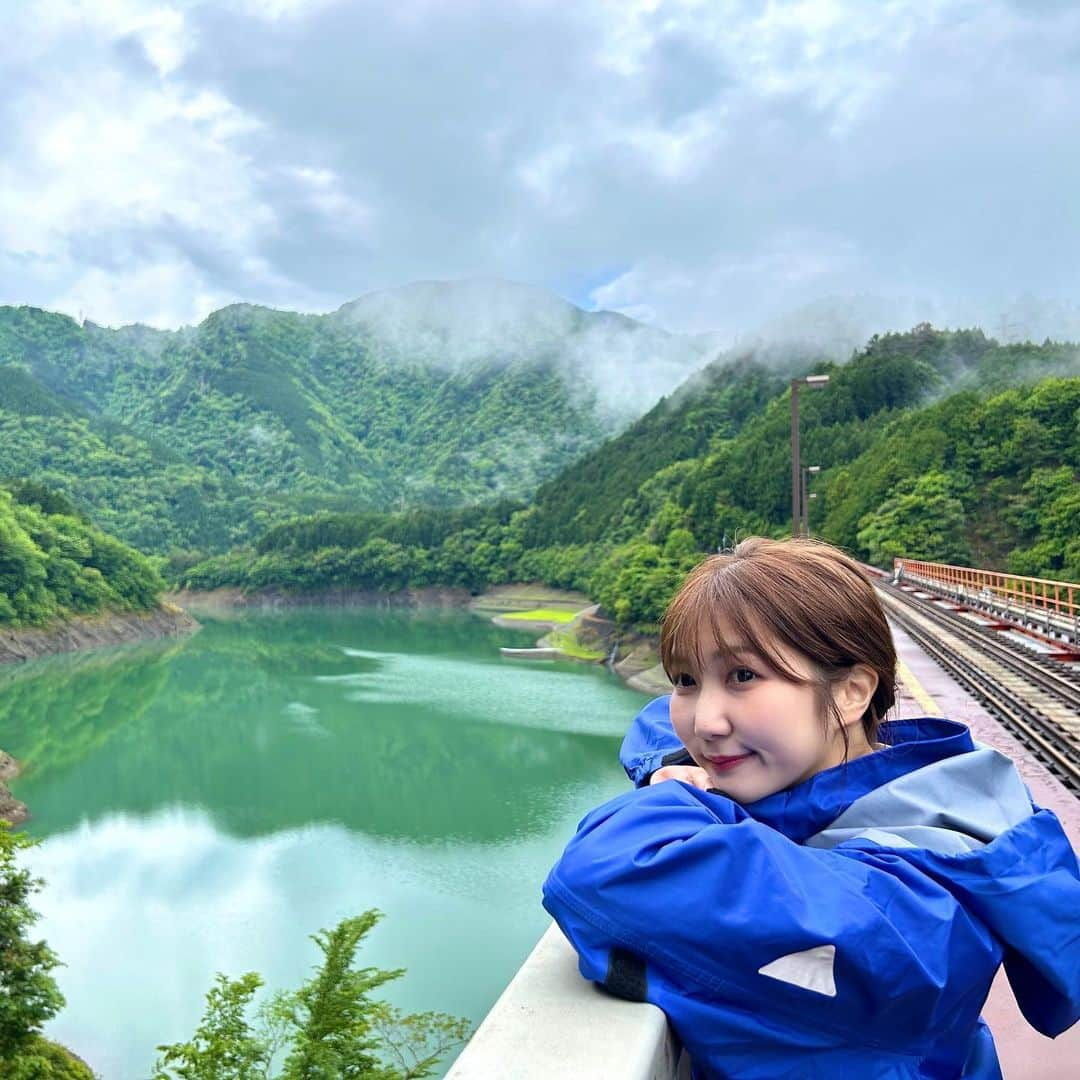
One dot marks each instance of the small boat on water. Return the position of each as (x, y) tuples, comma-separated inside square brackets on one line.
[(531, 654)]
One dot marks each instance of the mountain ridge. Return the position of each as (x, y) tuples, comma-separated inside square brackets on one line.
[(432, 394)]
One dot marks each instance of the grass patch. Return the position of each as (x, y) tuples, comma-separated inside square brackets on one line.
[(568, 644), (542, 615)]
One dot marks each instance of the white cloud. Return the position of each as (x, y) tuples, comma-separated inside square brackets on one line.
[(674, 151), (547, 176), (159, 28), (133, 194), (107, 192), (718, 295), (274, 10), (710, 165), (162, 293), (325, 192)]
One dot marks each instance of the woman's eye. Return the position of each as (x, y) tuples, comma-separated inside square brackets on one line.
[(683, 680), (743, 675)]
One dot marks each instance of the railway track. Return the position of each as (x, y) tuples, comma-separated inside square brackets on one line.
[(1038, 699)]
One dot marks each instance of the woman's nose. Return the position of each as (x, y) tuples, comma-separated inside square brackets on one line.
[(711, 716)]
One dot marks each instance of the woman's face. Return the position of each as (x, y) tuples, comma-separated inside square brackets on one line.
[(751, 729)]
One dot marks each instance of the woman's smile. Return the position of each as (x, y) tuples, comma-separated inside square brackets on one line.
[(721, 763)]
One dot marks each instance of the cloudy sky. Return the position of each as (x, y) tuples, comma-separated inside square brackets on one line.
[(705, 165)]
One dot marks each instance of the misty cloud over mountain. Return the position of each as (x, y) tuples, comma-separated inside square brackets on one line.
[(458, 324)]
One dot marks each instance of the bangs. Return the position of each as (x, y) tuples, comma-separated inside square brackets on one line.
[(718, 613)]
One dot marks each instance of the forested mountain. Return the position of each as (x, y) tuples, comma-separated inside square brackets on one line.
[(436, 394), (729, 427), (54, 563), (943, 445), (133, 486), (385, 415), (593, 498)]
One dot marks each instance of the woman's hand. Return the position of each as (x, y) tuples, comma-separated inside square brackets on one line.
[(688, 774)]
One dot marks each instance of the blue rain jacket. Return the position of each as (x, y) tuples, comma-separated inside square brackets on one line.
[(848, 927)]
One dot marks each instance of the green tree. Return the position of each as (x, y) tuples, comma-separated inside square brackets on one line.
[(29, 996), (414, 1044), (1050, 515), (224, 1046), (923, 520), (637, 580), (330, 1028), (44, 1060), (332, 1012)]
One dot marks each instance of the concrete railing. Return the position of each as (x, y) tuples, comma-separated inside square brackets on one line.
[(550, 1024)]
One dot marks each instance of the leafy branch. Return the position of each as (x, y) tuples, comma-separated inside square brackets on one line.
[(328, 1029)]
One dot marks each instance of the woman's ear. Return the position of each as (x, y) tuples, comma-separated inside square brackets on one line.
[(854, 693)]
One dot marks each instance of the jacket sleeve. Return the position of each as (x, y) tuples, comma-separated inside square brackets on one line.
[(651, 742), (1035, 913), (761, 951)]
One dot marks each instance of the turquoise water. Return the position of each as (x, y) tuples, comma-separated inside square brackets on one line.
[(206, 805)]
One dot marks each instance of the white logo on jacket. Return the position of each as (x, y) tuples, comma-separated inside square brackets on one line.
[(812, 969)]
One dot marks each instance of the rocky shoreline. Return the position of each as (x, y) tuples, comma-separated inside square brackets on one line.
[(633, 657), (94, 632), (11, 810), (222, 601)]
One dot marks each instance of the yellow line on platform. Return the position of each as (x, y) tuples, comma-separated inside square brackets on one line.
[(917, 690)]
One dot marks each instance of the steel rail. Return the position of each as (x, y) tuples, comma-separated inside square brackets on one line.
[(1049, 675), (1058, 748)]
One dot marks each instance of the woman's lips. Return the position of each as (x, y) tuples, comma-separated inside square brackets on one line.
[(722, 764)]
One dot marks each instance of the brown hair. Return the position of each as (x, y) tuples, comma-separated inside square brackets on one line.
[(805, 594)]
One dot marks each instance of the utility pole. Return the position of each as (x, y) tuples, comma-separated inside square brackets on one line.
[(813, 382), (807, 495), (796, 468)]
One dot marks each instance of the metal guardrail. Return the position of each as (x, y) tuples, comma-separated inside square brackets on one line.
[(550, 1024), (1052, 606)]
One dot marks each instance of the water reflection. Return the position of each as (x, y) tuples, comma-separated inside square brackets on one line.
[(54, 713), (145, 911), (207, 805), (280, 722)]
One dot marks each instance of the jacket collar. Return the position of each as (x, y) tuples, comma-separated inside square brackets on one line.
[(811, 806)]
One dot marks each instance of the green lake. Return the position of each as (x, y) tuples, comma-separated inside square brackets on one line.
[(206, 805)]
